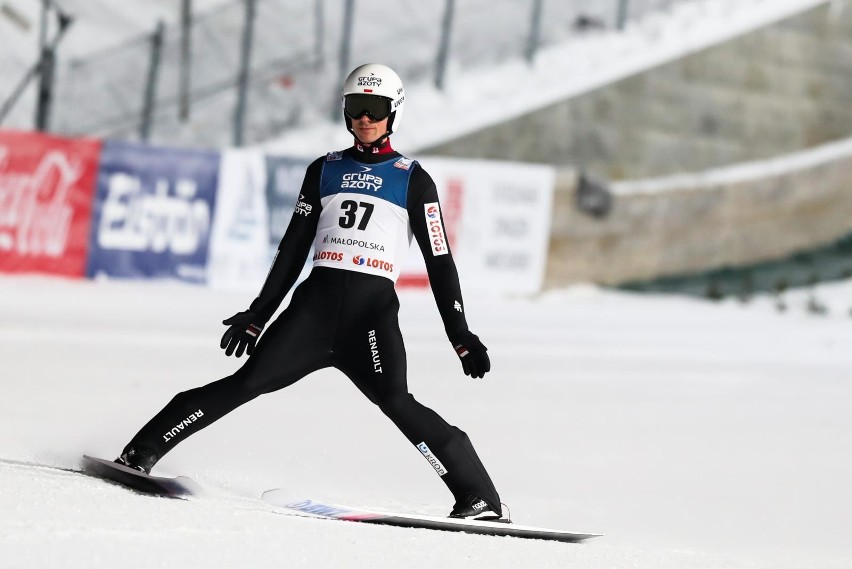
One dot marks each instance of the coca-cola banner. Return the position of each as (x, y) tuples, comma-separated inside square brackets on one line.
[(153, 212), (46, 188)]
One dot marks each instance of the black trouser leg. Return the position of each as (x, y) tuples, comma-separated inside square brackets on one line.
[(296, 344), (456, 460), (373, 356)]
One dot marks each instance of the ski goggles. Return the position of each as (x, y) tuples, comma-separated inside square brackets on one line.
[(375, 107)]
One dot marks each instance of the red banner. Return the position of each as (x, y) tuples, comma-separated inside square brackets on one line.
[(46, 195)]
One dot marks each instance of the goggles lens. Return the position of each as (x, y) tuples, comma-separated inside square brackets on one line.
[(376, 107)]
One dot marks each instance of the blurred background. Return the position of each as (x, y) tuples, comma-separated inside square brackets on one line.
[(696, 146), (648, 203)]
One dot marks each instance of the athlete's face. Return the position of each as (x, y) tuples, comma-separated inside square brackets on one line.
[(369, 131)]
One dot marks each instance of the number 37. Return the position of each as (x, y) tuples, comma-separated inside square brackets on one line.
[(350, 211)]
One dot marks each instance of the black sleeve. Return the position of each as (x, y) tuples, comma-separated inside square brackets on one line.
[(294, 246), (443, 277)]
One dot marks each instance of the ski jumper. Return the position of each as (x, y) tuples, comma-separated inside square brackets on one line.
[(359, 209)]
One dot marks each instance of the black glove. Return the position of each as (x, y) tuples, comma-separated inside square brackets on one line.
[(472, 353), (242, 334)]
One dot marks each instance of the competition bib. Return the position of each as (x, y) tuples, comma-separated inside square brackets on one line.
[(363, 225)]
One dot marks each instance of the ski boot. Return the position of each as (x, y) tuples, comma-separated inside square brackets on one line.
[(474, 508), (141, 459)]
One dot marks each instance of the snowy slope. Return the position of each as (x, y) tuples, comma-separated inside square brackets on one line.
[(694, 435), (476, 99)]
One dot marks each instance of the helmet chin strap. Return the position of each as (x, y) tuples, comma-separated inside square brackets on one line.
[(379, 142)]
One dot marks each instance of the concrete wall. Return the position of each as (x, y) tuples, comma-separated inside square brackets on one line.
[(688, 224), (777, 90), (773, 92)]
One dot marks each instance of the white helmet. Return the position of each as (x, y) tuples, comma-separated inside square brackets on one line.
[(374, 80)]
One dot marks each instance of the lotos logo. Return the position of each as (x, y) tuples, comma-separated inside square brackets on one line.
[(437, 238), (373, 263), (328, 256)]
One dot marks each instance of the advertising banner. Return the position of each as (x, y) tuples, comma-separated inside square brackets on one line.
[(284, 178), (254, 203), (46, 189), (497, 219), (153, 212), (239, 250), (86, 208)]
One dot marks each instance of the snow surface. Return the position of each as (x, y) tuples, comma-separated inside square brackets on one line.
[(695, 435)]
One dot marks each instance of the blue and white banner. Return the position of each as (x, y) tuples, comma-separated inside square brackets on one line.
[(284, 178), (255, 202), (153, 212), (239, 252)]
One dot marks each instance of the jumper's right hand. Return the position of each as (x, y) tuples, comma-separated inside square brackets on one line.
[(242, 334)]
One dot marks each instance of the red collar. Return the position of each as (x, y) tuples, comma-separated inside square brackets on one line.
[(383, 148)]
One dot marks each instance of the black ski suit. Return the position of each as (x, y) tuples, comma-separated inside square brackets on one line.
[(344, 315)]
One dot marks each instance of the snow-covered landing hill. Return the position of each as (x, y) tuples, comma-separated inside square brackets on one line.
[(694, 435)]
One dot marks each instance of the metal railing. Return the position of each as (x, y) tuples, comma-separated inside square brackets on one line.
[(292, 77)]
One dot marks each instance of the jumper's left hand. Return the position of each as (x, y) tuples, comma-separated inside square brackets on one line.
[(472, 353)]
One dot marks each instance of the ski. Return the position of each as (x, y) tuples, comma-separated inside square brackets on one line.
[(179, 487), (283, 499)]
